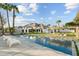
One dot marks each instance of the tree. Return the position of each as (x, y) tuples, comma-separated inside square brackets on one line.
[(75, 22), (76, 19), (14, 9), (58, 22), (70, 24), (2, 20), (8, 8)]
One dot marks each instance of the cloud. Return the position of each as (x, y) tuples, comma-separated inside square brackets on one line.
[(33, 7), (28, 14), (67, 12), (21, 8), (42, 18), (28, 9), (53, 12), (50, 18), (20, 21), (70, 6)]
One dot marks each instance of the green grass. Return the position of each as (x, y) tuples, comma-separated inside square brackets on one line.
[(78, 53), (54, 35), (70, 34)]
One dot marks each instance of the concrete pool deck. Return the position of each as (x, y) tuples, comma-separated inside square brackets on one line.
[(27, 48)]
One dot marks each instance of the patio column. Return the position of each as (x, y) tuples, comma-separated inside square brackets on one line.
[(52, 30), (27, 30), (77, 32), (24, 30), (40, 30)]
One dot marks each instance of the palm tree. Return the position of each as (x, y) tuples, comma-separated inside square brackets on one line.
[(7, 7), (75, 23), (1, 20), (2, 23), (76, 19), (58, 22), (15, 9)]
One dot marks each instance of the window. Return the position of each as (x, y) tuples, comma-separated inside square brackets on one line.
[(26, 30), (23, 31)]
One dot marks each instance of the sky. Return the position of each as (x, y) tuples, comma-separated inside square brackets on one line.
[(46, 13)]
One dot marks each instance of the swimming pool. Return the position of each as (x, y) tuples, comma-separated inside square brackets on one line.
[(65, 47)]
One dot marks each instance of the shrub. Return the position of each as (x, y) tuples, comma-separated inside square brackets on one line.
[(70, 34)]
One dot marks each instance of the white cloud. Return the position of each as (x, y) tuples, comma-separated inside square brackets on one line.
[(24, 10), (21, 8), (50, 18), (67, 12), (69, 7), (28, 14), (33, 7), (20, 21), (28, 9), (42, 18), (53, 12)]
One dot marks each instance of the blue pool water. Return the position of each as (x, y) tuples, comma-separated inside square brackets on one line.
[(53, 46)]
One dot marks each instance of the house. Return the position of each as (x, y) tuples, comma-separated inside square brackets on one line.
[(71, 29), (41, 28), (31, 28), (55, 29)]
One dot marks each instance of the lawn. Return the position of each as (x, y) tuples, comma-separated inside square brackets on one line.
[(55, 35)]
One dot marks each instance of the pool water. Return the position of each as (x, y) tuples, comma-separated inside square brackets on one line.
[(65, 47)]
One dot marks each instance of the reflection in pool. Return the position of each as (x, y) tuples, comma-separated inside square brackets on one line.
[(59, 45)]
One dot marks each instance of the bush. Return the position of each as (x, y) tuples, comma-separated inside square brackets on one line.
[(70, 34)]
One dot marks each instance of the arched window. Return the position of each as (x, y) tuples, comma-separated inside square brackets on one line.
[(23, 31)]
